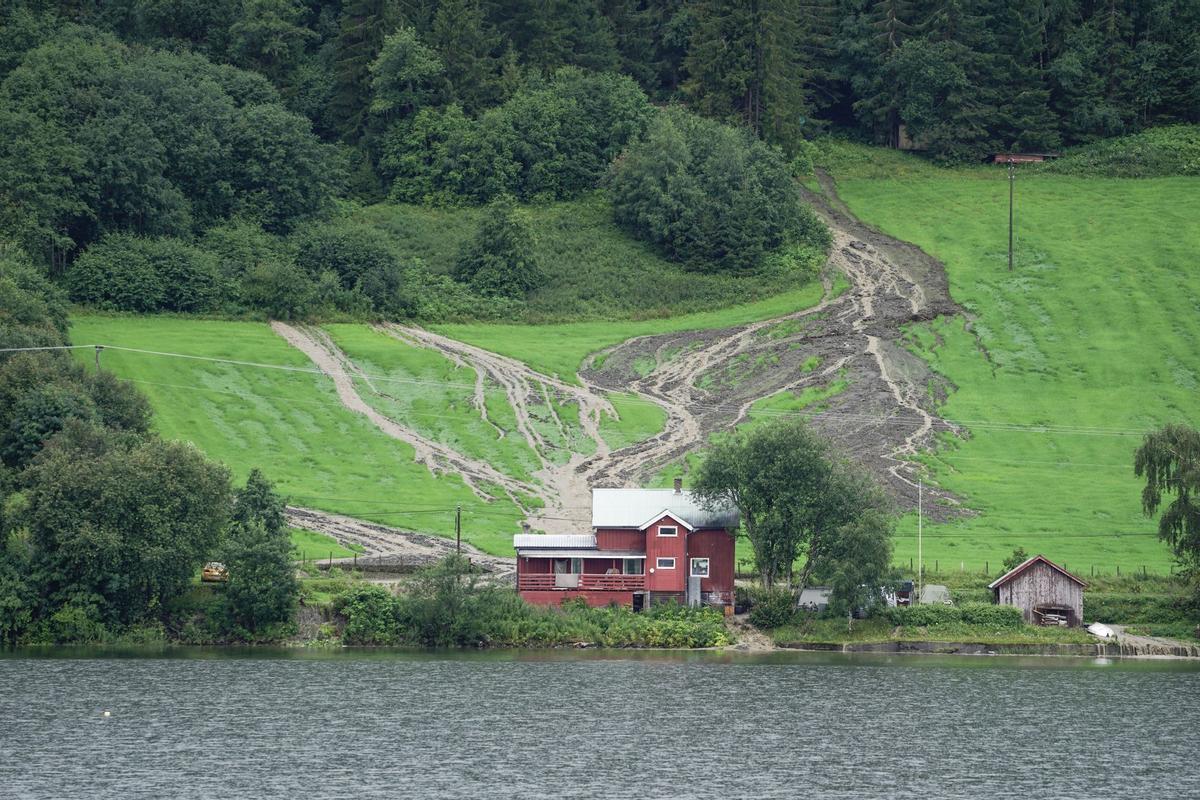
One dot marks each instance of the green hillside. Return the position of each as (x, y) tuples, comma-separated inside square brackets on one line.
[(287, 422), (1090, 341)]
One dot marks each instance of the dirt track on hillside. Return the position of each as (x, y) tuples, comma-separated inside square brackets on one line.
[(394, 545), (706, 381)]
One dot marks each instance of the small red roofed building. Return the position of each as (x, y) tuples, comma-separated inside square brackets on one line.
[(646, 546)]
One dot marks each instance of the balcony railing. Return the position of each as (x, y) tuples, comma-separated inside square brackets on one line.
[(584, 582)]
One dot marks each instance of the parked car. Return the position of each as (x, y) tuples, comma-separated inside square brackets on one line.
[(214, 572)]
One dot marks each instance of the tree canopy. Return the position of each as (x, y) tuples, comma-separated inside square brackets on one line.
[(710, 196), (1169, 460), (799, 499)]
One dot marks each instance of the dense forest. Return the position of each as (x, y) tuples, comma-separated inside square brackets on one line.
[(194, 156)]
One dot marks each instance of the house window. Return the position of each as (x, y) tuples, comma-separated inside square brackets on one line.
[(632, 566), (666, 563), (668, 530), (576, 566), (699, 567)]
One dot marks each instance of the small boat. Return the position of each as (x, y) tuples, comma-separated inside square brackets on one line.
[(1101, 630)]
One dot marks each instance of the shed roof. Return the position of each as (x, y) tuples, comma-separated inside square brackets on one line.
[(630, 508), (1017, 570)]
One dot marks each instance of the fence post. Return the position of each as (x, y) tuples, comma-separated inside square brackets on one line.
[(987, 568), (1118, 570), (936, 568)]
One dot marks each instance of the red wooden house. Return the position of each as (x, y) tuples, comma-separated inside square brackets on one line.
[(646, 546)]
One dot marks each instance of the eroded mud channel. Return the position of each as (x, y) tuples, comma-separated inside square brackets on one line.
[(842, 362)]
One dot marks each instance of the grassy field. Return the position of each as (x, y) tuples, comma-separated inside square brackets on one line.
[(1089, 342), (313, 546), (593, 269), (288, 423)]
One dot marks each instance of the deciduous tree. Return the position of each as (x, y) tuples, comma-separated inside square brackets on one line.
[(1169, 460)]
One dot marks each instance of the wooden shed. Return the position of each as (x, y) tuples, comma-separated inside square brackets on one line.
[(1046, 593)]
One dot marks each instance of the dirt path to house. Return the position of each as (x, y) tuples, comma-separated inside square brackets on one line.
[(879, 402)]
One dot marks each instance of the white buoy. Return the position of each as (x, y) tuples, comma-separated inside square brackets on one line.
[(107, 714)]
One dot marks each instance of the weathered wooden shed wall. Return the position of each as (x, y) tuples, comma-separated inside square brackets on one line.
[(1042, 585)]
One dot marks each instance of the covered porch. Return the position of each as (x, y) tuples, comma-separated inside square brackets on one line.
[(581, 570)]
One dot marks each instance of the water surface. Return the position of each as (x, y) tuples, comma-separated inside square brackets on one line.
[(607, 725)]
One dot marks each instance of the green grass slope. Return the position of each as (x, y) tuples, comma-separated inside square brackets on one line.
[(1090, 341), (288, 423)]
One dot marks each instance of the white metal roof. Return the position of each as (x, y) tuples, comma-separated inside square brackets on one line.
[(558, 541), (602, 554), (630, 508)]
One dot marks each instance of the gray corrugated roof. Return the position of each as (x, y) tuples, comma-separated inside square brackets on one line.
[(554, 540), (632, 508)]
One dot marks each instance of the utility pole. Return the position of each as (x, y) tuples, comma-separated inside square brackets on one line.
[(1012, 177), (920, 555), (458, 530), (99, 347)]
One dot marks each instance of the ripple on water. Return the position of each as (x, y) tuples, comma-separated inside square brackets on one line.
[(447, 726)]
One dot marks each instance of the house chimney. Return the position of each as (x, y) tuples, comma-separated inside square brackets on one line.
[(678, 485)]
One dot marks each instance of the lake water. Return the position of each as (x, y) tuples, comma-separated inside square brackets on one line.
[(594, 725)]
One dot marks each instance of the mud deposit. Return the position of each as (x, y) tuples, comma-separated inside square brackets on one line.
[(707, 381), (879, 408)]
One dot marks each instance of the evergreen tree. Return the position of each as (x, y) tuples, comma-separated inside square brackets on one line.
[(470, 49), (1025, 121), (405, 77), (547, 34), (746, 62), (500, 261), (869, 42), (257, 503), (361, 30)]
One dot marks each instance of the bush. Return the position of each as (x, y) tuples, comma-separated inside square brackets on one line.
[(1134, 608), (370, 613), (130, 273), (772, 609), (992, 616), (499, 261), (710, 196), (551, 140), (924, 615), (1170, 150)]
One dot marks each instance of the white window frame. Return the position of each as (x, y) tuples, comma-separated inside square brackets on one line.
[(658, 562), (674, 530), (707, 568)]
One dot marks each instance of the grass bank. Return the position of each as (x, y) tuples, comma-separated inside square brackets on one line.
[(593, 269), (287, 422), (1062, 363)]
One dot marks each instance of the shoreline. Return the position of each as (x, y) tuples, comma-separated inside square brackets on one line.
[(1180, 652), (1062, 650)]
